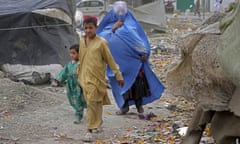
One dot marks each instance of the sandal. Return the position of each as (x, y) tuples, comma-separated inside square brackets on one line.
[(120, 113), (88, 137), (98, 130)]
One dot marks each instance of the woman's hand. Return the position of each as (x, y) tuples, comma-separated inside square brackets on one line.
[(143, 58), (118, 24), (121, 83)]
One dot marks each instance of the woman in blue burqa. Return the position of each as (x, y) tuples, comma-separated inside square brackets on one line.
[(130, 48)]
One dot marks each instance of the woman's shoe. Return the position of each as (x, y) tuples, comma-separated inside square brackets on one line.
[(140, 110)]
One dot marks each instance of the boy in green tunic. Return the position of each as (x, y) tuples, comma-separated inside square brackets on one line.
[(74, 92)]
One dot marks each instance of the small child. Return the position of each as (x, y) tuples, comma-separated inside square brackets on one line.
[(74, 91)]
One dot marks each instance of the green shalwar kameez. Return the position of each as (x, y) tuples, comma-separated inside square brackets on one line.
[(74, 92)]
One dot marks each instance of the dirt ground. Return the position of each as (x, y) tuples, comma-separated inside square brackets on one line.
[(42, 115)]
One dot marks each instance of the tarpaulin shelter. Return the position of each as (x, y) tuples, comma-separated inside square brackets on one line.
[(36, 32), (151, 15)]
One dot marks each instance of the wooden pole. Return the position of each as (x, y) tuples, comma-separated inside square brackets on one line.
[(204, 8)]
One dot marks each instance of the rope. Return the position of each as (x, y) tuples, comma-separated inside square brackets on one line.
[(19, 28)]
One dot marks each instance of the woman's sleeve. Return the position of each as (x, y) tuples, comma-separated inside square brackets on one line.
[(111, 62)]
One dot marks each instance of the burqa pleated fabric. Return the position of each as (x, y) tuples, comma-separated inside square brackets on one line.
[(126, 44)]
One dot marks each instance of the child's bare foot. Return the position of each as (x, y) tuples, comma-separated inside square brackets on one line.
[(78, 118), (77, 122)]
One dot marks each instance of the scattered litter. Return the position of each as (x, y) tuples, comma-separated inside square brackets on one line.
[(171, 107), (108, 113), (5, 115), (207, 140), (14, 138), (61, 137), (147, 116), (1, 127), (183, 131)]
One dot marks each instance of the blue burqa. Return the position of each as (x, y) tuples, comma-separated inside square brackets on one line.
[(127, 44)]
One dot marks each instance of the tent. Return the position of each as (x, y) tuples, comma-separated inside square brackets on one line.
[(36, 32), (151, 15)]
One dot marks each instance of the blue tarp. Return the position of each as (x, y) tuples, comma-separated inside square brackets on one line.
[(127, 44)]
